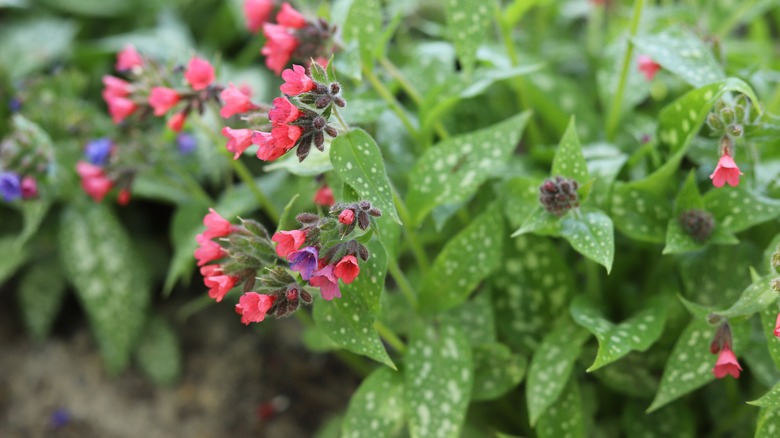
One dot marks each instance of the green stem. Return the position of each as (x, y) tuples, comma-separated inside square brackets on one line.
[(390, 99), (341, 120), (402, 281), (390, 337), (617, 102), (411, 237), (194, 187)]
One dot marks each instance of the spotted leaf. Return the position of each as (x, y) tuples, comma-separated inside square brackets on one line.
[(737, 208), (592, 235), (682, 53), (755, 298), (496, 371), (40, 294), (363, 25), (438, 378), (376, 409), (569, 161), (768, 321), (566, 416), (768, 423), (468, 25), (476, 318)]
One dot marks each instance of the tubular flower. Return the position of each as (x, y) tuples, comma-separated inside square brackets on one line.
[(327, 281), (647, 67), (120, 108), (283, 112), (115, 87), (208, 250), (162, 99), (97, 151), (279, 46), (289, 17), (94, 181), (199, 73), (288, 241), (219, 285), (726, 364), (267, 150), (29, 187), (324, 196), (216, 225), (725, 172), (304, 261), (236, 101), (296, 81), (238, 140), (128, 59), (347, 269), (176, 122), (257, 12), (10, 186), (253, 306)]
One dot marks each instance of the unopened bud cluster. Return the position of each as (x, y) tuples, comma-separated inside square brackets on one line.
[(559, 195), (25, 161), (730, 120), (697, 223)]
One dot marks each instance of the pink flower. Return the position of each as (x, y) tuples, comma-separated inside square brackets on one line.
[(115, 87), (283, 112), (120, 108), (236, 101), (777, 326), (324, 197), (238, 140), (296, 81), (210, 270), (208, 250), (726, 364), (219, 285), (327, 281), (279, 46), (347, 269), (256, 13), (253, 306), (200, 74), (288, 241), (647, 66), (289, 17), (176, 123), (347, 216), (123, 198), (128, 58), (726, 172), (94, 181), (267, 150), (285, 136), (216, 225), (29, 187), (162, 99)]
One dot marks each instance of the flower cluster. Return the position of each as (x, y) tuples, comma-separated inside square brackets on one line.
[(559, 195), (230, 256), (699, 224), (721, 345), (303, 124), (25, 161), (153, 88), (729, 122), (292, 37)]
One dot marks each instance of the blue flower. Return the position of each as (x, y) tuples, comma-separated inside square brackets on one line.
[(304, 261), (186, 143), (98, 150), (10, 186)]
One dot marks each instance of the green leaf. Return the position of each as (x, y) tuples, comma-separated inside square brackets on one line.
[(540, 222), (358, 161), (315, 163), (33, 212), (315, 340), (768, 423), (738, 208), (40, 294), (376, 409), (631, 376), (551, 366), (349, 320), (680, 120), (520, 197), (30, 45), (454, 169), (682, 53), (676, 421), (615, 341), (566, 416), (286, 219), (438, 377), (468, 24), (364, 25), (476, 318), (768, 322), (689, 366), (569, 161), (467, 259), (591, 234), (755, 298), (158, 354), (9, 265), (496, 371), (109, 278)]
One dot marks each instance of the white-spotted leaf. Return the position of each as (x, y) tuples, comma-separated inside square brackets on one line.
[(738, 208), (108, 276), (755, 298), (158, 354), (468, 25), (539, 221), (769, 400), (551, 367), (569, 161), (496, 371), (39, 294), (768, 423), (349, 320), (438, 377), (682, 53), (454, 169), (689, 366), (376, 409), (358, 162), (592, 235), (768, 322), (467, 259), (364, 25), (476, 318), (565, 418), (9, 265), (617, 340)]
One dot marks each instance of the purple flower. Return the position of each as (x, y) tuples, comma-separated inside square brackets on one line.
[(98, 150), (15, 105), (11, 186), (186, 143), (326, 280), (304, 261)]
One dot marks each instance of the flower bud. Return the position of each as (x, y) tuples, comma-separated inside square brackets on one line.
[(736, 130), (559, 195), (727, 115), (715, 123), (698, 224), (775, 283), (346, 217)]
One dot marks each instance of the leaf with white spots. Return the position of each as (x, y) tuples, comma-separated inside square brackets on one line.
[(9, 265), (496, 371), (551, 366), (592, 235), (768, 321), (467, 259), (358, 162), (108, 276), (520, 197), (768, 423), (676, 421), (40, 294), (33, 211), (532, 287), (376, 409), (349, 321), (364, 25), (568, 160), (689, 366), (540, 222), (454, 169), (717, 275), (769, 400), (468, 25), (632, 376), (476, 318), (682, 53), (565, 418), (158, 354), (680, 120), (755, 298), (438, 377), (738, 208), (617, 340)]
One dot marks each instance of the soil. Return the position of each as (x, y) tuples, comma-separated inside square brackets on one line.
[(236, 382)]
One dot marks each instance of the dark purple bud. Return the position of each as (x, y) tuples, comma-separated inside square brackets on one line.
[(339, 101), (375, 212), (364, 205), (363, 220), (307, 218), (319, 123), (331, 131), (319, 141), (306, 297)]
